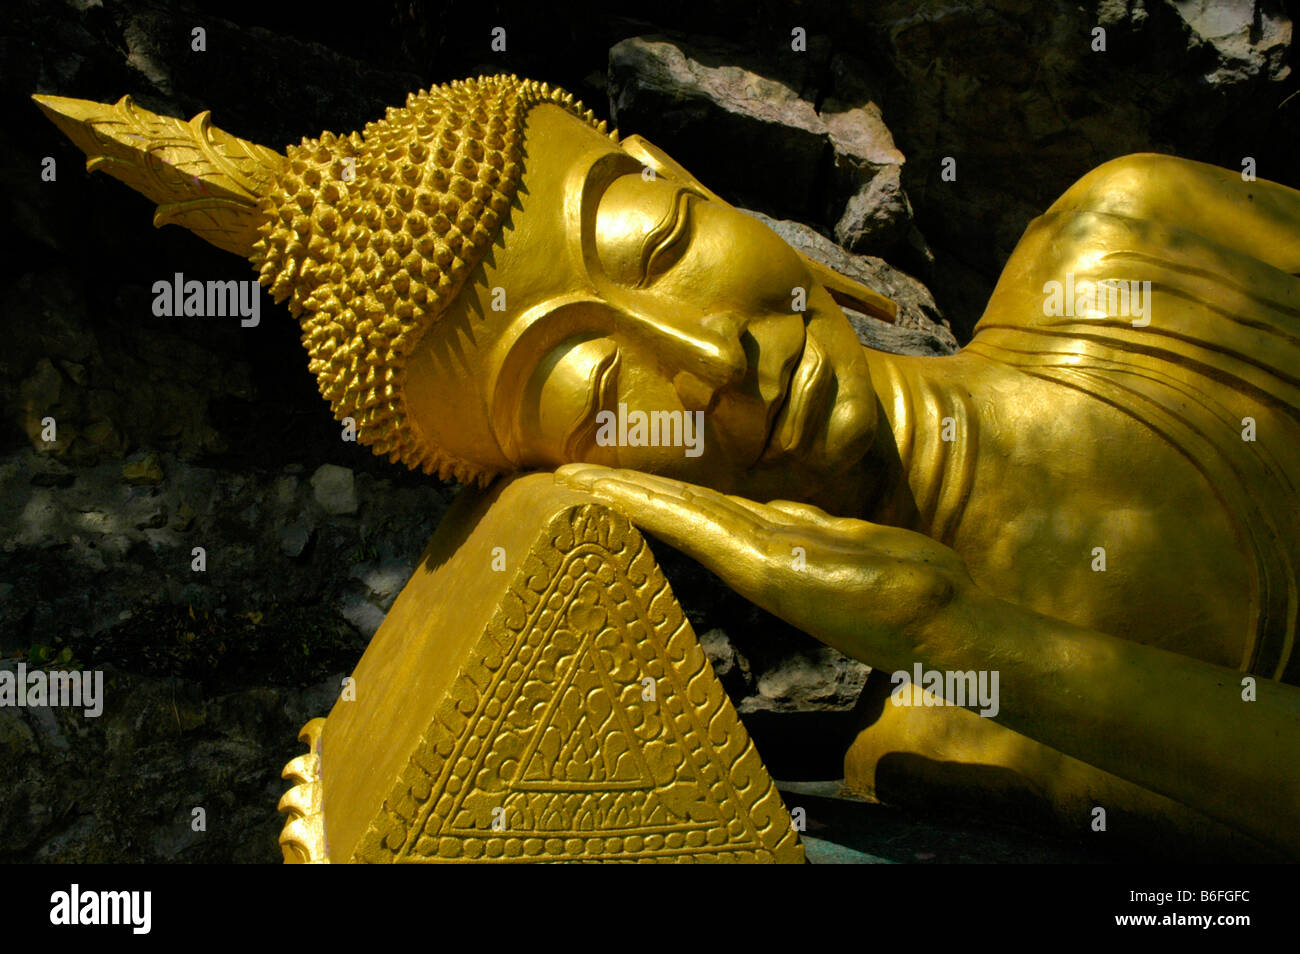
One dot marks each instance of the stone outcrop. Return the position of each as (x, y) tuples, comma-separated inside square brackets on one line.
[(830, 160), (920, 327)]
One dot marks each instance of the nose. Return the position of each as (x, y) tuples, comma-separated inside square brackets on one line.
[(708, 356)]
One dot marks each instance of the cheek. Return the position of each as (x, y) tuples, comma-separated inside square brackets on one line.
[(654, 432), (742, 264)]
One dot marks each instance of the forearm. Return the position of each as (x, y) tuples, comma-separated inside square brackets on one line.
[(1167, 722)]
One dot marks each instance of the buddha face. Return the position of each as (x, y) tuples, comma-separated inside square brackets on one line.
[(627, 316)]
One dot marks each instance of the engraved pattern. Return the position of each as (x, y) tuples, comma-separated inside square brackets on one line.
[(546, 722), (202, 178)]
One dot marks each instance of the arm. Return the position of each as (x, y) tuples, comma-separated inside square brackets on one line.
[(892, 598), (1170, 723)]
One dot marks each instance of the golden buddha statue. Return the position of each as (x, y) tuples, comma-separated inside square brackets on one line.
[(1096, 503)]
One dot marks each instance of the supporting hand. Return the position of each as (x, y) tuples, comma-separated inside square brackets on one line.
[(860, 587)]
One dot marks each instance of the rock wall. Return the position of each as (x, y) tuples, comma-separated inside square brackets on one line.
[(179, 433)]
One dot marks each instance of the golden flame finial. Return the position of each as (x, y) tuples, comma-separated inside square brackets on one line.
[(201, 177)]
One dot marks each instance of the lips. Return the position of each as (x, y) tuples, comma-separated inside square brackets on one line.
[(794, 425)]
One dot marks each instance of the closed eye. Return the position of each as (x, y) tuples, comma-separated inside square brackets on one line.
[(601, 392), (664, 243)]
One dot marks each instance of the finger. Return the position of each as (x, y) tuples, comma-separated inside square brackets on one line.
[(657, 498), (802, 511), (811, 516), (716, 531), (745, 512), (582, 476), (775, 516)]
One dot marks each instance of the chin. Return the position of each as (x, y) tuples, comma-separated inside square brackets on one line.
[(849, 434), (852, 420)]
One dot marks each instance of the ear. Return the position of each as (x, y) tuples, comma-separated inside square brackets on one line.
[(846, 291), (853, 294)]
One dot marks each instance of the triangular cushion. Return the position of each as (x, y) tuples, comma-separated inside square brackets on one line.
[(584, 724)]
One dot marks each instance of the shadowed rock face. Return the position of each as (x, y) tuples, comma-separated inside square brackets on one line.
[(833, 160), (919, 328), (125, 786), (182, 432), (1015, 93)]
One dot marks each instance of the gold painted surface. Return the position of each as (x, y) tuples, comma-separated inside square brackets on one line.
[(202, 178), (946, 511), (302, 842), (534, 735)]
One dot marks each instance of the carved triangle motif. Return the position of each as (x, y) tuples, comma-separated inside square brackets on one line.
[(583, 741), (551, 749)]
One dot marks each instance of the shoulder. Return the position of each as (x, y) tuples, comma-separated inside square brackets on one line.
[(1208, 362), (1218, 251), (1138, 185)]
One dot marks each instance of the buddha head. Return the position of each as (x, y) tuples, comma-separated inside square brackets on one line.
[(487, 281)]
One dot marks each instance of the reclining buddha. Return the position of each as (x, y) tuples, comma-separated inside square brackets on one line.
[(1098, 507)]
